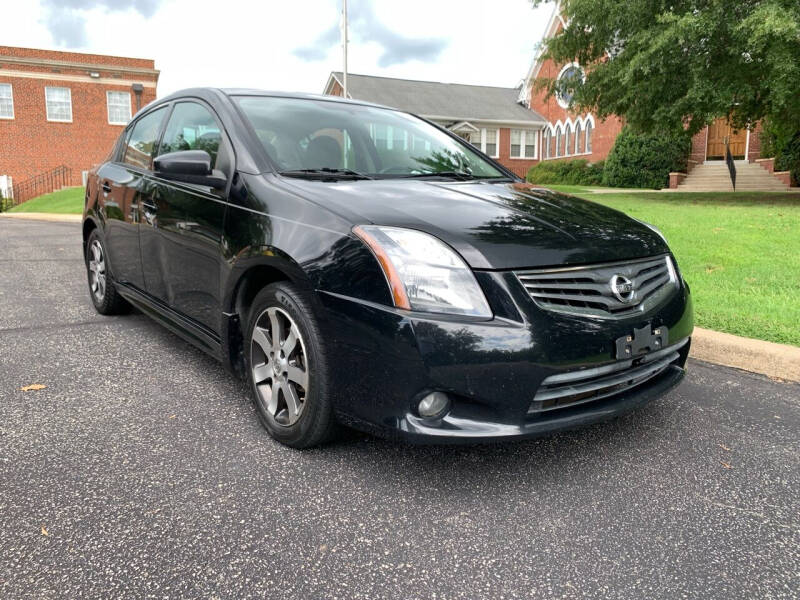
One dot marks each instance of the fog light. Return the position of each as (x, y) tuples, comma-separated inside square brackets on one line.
[(435, 404)]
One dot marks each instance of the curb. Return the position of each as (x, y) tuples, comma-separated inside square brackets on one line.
[(778, 361), (32, 216)]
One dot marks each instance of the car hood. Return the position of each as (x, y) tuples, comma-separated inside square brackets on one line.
[(493, 225)]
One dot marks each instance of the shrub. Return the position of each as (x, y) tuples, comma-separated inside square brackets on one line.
[(570, 172), (784, 147), (645, 160)]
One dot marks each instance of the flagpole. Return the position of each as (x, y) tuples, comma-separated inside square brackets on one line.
[(344, 46)]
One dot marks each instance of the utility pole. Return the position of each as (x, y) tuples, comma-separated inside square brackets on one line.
[(344, 46)]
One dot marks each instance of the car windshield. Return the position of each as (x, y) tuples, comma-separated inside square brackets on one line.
[(306, 135)]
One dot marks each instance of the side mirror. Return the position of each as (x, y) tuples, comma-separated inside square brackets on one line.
[(189, 166)]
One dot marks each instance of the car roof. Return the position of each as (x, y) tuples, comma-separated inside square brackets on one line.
[(209, 92)]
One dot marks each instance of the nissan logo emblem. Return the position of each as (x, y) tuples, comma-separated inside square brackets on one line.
[(622, 288)]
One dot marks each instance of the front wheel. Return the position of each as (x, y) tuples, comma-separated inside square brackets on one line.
[(105, 297), (287, 367)]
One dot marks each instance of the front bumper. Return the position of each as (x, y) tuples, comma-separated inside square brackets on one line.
[(385, 359)]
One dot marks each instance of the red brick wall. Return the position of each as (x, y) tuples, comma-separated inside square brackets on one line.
[(336, 89), (77, 57), (699, 139), (30, 144), (604, 133), (518, 166)]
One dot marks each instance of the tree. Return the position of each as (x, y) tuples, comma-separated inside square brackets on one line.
[(680, 64)]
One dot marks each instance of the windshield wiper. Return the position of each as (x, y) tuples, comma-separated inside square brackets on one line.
[(325, 174), (501, 179), (461, 175)]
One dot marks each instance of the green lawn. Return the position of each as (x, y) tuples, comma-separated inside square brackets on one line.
[(739, 253), (67, 201)]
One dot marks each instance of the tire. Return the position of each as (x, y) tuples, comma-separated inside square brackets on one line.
[(289, 375), (104, 294)]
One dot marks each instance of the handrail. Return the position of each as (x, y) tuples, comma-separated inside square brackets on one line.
[(729, 162), (43, 183)]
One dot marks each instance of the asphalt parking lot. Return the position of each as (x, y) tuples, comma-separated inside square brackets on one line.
[(140, 470)]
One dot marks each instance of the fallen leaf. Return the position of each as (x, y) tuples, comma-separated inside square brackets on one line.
[(726, 465), (44, 531), (724, 447), (172, 416), (32, 387)]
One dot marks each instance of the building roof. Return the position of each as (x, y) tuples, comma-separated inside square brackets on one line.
[(435, 100)]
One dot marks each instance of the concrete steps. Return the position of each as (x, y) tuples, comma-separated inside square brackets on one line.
[(714, 177)]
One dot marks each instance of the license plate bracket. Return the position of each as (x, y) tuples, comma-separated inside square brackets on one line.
[(644, 340)]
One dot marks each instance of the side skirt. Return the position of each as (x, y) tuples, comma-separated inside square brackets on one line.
[(188, 329)]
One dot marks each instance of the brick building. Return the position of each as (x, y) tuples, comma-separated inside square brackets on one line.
[(66, 108), (571, 135), (490, 118)]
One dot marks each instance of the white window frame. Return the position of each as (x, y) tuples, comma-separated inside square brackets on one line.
[(524, 134), (588, 126), (496, 142), (559, 139), (47, 107), (11, 97), (108, 107), (569, 137)]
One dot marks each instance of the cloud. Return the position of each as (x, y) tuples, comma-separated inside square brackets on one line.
[(66, 19), (365, 27), (319, 49)]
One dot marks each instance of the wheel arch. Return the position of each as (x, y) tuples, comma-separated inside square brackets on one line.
[(247, 280), (89, 225)]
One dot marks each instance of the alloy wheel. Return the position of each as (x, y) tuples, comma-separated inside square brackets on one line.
[(97, 270), (279, 365)]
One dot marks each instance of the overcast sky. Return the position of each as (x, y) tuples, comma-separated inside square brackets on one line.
[(290, 44)]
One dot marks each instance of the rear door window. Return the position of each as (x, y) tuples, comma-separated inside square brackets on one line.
[(142, 140)]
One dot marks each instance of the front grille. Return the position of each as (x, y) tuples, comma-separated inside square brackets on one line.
[(587, 290), (587, 385)]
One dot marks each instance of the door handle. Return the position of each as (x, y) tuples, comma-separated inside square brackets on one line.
[(106, 187)]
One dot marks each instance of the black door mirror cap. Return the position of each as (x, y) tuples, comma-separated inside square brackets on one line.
[(189, 166)]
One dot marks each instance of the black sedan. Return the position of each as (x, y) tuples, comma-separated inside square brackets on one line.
[(362, 266)]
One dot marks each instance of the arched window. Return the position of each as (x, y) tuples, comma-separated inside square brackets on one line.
[(546, 143), (568, 140), (559, 145), (588, 136), (551, 145), (578, 140)]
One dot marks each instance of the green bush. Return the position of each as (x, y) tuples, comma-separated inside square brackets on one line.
[(569, 172), (645, 160), (784, 147)]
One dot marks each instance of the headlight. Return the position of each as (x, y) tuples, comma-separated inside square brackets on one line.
[(423, 272)]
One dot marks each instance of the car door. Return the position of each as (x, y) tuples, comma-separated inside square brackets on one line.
[(181, 250), (124, 186)]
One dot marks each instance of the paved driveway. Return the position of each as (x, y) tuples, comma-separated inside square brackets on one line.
[(141, 471)]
